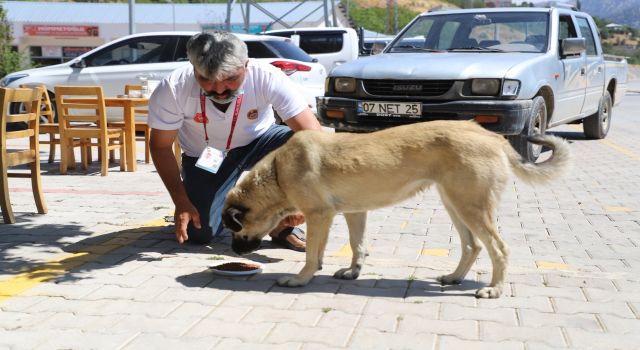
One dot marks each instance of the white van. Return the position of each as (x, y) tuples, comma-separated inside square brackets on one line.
[(332, 46)]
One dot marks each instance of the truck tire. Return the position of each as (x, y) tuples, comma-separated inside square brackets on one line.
[(596, 126), (536, 123)]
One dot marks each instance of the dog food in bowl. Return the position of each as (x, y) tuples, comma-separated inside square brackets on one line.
[(236, 268)]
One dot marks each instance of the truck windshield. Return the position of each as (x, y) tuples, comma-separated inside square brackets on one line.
[(476, 32)]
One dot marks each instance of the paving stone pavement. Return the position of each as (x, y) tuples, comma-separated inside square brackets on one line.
[(102, 269)]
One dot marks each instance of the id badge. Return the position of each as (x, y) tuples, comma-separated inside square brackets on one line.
[(210, 159)]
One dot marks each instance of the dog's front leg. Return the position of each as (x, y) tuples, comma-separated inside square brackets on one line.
[(357, 223), (318, 226)]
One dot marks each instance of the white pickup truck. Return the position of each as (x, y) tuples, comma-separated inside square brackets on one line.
[(517, 71)]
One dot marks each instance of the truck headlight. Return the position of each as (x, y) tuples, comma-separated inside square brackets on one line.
[(485, 87), (344, 84), (510, 87)]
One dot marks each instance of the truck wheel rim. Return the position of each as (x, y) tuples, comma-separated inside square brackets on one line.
[(537, 129), (605, 117)]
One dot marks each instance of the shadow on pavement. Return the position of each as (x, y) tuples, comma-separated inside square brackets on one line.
[(570, 135), (77, 258), (323, 284)]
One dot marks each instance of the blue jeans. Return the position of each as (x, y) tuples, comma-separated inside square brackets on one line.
[(207, 191)]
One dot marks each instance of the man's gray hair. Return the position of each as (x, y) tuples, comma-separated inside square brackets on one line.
[(217, 55)]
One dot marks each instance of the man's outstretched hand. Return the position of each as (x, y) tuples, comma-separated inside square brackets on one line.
[(184, 214), (293, 220)]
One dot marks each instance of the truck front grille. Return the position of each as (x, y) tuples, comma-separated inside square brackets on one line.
[(382, 87)]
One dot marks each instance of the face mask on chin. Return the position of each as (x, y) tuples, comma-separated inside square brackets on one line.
[(231, 97), (222, 101)]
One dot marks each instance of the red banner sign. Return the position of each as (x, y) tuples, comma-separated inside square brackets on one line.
[(74, 51), (49, 30)]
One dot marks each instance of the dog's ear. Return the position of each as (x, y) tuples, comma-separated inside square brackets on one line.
[(232, 218)]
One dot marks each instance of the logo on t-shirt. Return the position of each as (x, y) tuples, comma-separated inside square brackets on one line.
[(253, 114), (198, 118)]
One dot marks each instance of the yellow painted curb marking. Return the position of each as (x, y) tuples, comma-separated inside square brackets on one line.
[(547, 265), (51, 269), (621, 149), (345, 251), (618, 209), (27, 280), (618, 148), (435, 252)]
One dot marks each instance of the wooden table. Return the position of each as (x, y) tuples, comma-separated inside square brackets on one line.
[(128, 104)]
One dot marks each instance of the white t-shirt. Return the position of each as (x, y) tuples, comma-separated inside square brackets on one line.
[(175, 104)]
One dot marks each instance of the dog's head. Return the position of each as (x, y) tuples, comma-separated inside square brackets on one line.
[(254, 206)]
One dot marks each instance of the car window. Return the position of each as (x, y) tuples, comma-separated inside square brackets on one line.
[(321, 42), (256, 49), (286, 49), (446, 35), (134, 51), (476, 32), (372, 46), (567, 30), (587, 34), (181, 49)]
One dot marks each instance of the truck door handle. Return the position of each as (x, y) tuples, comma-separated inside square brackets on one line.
[(582, 71), (599, 69)]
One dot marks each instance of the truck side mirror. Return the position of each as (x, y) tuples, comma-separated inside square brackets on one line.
[(572, 46)]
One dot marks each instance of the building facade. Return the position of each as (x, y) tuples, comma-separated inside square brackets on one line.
[(56, 32)]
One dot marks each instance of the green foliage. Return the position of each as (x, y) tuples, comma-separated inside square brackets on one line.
[(523, 4), (373, 18), (633, 57), (10, 60), (467, 4)]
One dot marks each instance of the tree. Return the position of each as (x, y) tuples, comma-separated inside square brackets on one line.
[(10, 59)]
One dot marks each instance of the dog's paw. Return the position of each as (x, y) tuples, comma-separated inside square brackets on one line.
[(488, 293), (347, 273), (449, 279), (291, 281)]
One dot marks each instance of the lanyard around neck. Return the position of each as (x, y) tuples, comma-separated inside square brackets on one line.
[(236, 111)]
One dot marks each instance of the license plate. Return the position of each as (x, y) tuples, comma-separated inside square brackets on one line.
[(390, 109)]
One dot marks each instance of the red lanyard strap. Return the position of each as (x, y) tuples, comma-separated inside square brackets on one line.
[(203, 110), (236, 111)]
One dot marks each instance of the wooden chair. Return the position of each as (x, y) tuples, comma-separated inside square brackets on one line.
[(30, 98), (141, 125), (77, 105), (50, 126)]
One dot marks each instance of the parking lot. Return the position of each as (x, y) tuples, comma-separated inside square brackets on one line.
[(102, 269)]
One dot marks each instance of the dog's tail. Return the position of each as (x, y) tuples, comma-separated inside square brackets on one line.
[(546, 171)]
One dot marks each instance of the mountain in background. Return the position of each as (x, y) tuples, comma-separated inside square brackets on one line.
[(619, 11)]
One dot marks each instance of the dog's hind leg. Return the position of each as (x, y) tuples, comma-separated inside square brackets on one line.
[(476, 210), (470, 247), (318, 226), (498, 252), (357, 223)]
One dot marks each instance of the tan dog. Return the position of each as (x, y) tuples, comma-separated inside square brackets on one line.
[(322, 174)]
